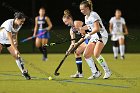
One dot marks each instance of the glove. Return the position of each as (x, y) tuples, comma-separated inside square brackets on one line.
[(87, 36)]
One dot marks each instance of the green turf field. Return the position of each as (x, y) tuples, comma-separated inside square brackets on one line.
[(125, 77)]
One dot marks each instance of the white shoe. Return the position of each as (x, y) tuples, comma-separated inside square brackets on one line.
[(77, 75), (44, 59), (96, 75), (107, 75), (122, 57)]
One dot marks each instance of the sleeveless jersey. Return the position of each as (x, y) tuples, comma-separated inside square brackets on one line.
[(42, 23)]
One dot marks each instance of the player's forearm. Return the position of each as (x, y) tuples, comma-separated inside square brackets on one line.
[(72, 35), (125, 31), (11, 40), (35, 30), (49, 27), (80, 40), (94, 30), (110, 29)]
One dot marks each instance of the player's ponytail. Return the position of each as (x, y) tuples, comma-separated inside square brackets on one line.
[(91, 5), (67, 14), (19, 15), (87, 3)]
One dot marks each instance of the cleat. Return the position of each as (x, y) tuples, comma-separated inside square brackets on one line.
[(95, 75), (44, 58), (107, 75), (26, 75), (122, 57), (77, 75), (116, 58)]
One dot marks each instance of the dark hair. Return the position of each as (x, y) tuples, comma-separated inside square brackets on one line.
[(67, 14), (87, 4), (118, 10), (19, 15), (42, 8)]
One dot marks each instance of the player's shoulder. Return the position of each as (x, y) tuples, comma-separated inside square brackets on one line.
[(7, 22), (47, 17), (122, 18), (94, 13), (113, 18), (36, 18)]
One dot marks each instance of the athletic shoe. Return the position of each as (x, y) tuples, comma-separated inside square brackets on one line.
[(122, 57), (77, 75), (95, 75), (44, 59), (107, 75), (26, 75), (116, 57)]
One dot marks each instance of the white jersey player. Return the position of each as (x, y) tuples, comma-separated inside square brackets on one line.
[(8, 38), (118, 29), (98, 38)]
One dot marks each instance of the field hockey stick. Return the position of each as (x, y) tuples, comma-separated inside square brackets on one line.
[(66, 55), (31, 37), (130, 36), (34, 67), (56, 43)]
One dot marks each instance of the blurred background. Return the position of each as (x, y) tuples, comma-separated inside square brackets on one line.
[(54, 9)]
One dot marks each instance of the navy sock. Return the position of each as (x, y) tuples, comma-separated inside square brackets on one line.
[(79, 64), (44, 51), (41, 50)]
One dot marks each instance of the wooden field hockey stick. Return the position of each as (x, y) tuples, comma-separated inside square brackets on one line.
[(66, 55)]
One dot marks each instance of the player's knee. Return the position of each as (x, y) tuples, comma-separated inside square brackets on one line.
[(96, 55), (86, 55), (37, 45), (77, 53)]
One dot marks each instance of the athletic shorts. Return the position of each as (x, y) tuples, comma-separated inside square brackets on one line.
[(116, 37), (95, 39), (46, 35), (5, 45)]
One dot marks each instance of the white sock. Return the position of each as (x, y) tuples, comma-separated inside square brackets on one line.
[(20, 65), (115, 51), (91, 64), (103, 63), (122, 49)]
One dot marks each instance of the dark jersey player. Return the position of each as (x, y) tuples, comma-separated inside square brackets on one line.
[(43, 25)]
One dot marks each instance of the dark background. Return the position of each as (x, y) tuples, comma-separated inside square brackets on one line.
[(54, 9)]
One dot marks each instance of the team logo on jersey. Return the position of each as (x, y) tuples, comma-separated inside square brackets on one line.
[(41, 22), (89, 22)]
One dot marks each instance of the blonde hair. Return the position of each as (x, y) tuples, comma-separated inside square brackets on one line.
[(90, 2), (87, 3), (67, 14)]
